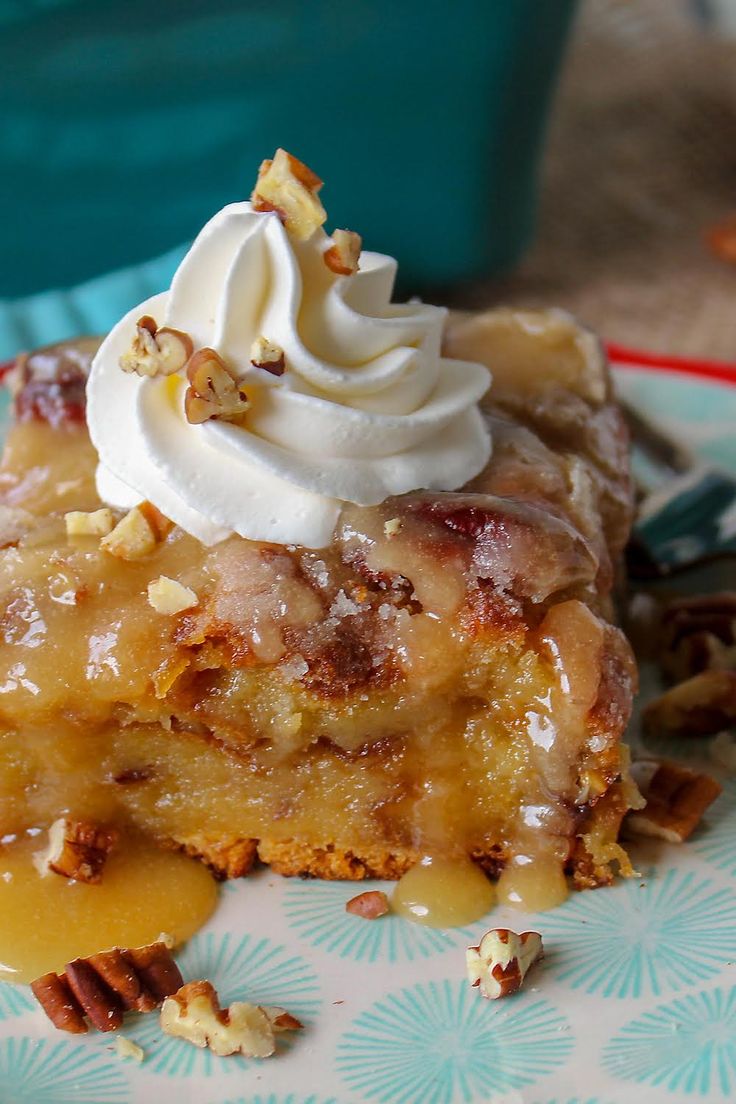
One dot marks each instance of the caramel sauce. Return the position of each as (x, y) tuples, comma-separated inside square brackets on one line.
[(443, 893), (532, 885), (46, 922), (477, 738)]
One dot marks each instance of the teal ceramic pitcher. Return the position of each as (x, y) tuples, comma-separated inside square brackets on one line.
[(126, 125)]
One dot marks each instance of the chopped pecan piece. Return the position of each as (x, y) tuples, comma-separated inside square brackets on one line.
[(676, 799), (170, 596), (194, 1014), (92, 523), (156, 351), (285, 185), (370, 905), (699, 706), (500, 963), (213, 390), (77, 850), (105, 985), (267, 355), (343, 256), (126, 1048), (698, 634), (137, 534)]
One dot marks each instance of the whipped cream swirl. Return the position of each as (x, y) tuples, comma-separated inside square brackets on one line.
[(367, 407)]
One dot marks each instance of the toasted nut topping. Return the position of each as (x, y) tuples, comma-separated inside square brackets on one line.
[(285, 185), (97, 523), (105, 985), (77, 850), (676, 799), (137, 533), (268, 356), (370, 905), (213, 390), (131, 538), (392, 527), (126, 1048), (156, 352), (169, 596), (194, 1014), (344, 254), (501, 961), (701, 706)]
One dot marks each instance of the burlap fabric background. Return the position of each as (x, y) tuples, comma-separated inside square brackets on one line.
[(640, 160)]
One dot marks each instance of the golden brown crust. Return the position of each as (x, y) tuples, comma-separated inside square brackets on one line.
[(297, 859), (226, 858), (294, 858)]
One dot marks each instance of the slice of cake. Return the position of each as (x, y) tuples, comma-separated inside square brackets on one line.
[(303, 587)]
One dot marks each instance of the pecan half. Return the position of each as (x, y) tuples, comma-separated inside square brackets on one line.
[(286, 186), (104, 986), (59, 1003), (499, 964), (699, 706), (676, 799), (698, 634), (214, 391), (77, 849), (156, 351)]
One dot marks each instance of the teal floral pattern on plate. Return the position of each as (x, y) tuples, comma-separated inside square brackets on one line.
[(14, 1001), (716, 841), (316, 911), (292, 1098), (575, 1100), (440, 1042), (644, 935), (37, 1071), (687, 1047), (240, 968)]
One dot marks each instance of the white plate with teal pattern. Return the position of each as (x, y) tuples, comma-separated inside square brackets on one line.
[(634, 1002)]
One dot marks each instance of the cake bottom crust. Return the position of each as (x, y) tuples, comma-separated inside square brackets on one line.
[(593, 850)]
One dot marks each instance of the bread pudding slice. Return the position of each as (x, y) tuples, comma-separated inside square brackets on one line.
[(444, 678)]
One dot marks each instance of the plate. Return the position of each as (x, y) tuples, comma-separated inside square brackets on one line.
[(635, 1001)]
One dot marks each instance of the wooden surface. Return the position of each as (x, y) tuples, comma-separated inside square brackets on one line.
[(640, 162)]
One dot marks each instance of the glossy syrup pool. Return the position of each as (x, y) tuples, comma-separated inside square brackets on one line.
[(443, 893), (46, 922), (452, 892)]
